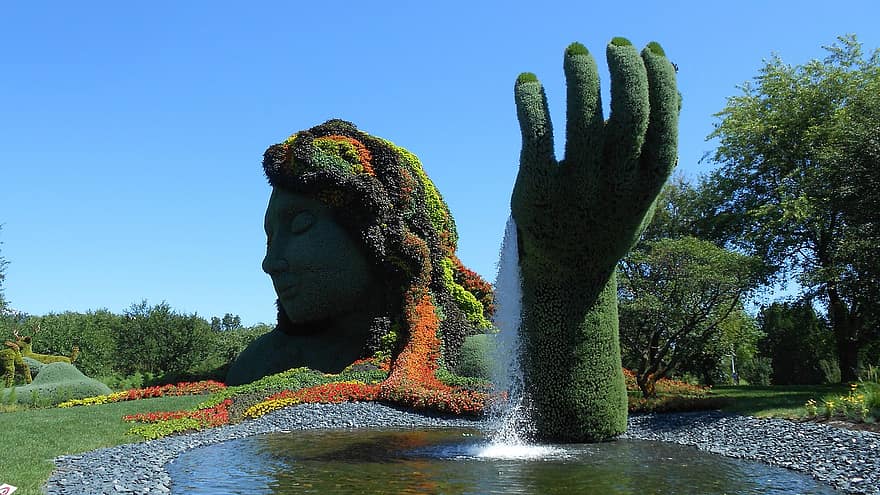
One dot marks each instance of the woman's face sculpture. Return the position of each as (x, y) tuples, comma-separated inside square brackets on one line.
[(319, 272), (383, 280)]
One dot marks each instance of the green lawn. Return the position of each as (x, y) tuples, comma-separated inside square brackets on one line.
[(33, 437), (774, 401)]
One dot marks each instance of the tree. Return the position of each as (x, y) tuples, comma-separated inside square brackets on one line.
[(93, 332), (681, 210), (158, 340), (3, 263), (798, 154), (729, 351), (228, 323), (798, 342), (676, 296)]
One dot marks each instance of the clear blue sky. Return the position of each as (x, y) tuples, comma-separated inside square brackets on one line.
[(132, 132)]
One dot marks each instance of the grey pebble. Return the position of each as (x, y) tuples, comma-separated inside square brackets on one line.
[(824, 452)]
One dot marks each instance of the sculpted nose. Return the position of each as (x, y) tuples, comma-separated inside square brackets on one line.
[(273, 265)]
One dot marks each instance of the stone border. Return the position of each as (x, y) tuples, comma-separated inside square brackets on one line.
[(844, 459)]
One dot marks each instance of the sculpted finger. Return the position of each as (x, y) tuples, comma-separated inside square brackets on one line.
[(660, 152), (625, 131), (536, 157), (584, 125)]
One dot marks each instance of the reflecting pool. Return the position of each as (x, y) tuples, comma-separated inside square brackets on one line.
[(455, 461)]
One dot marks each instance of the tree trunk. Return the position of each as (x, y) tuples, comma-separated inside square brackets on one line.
[(845, 329), (647, 383)]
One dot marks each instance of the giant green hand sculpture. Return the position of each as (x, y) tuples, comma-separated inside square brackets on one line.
[(575, 219)]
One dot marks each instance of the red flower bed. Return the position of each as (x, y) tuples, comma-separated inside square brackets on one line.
[(182, 388), (331, 393), (213, 416)]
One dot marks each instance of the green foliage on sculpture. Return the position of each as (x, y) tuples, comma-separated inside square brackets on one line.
[(361, 251), (27, 350), (576, 218), (33, 365), (11, 363), (476, 357), (56, 383)]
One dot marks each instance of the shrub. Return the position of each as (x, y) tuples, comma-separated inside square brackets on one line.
[(56, 383), (862, 403), (757, 371), (92, 331), (158, 340), (799, 343), (475, 357)]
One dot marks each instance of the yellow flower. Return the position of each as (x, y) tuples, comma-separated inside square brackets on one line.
[(268, 406)]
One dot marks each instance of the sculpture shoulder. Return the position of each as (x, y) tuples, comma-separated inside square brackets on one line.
[(270, 353)]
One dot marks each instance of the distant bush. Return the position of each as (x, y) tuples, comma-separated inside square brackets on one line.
[(146, 346), (757, 371), (118, 382), (92, 331), (158, 340), (797, 341)]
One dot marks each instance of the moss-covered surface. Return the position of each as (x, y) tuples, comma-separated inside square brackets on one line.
[(12, 364), (419, 300), (576, 218), (56, 383), (476, 358)]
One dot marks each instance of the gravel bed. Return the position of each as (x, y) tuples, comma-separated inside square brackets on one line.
[(847, 460)]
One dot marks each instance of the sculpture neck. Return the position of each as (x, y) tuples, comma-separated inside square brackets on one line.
[(26, 348), (332, 344)]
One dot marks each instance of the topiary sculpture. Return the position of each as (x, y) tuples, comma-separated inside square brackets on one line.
[(10, 362), (575, 219), (361, 251), (33, 365), (56, 383), (27, 350)]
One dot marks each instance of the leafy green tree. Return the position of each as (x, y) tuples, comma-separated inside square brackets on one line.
[(229, 322), (3, 263), (227, 345), (676, 297), (730, 351), (158, 340), (798, 155), (682, 209), (797, 342), (93, 332)]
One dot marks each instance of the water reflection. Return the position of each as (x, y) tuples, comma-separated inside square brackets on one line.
[(449, 462)]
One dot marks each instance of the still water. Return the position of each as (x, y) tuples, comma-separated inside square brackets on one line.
[(454, 461)]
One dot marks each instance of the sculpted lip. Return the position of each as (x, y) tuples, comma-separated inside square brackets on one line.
[(284, 290)]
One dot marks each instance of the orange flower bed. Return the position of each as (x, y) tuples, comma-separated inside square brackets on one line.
[(413, 381)]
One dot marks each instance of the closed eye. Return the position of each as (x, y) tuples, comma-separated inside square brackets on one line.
[(301, 222)]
